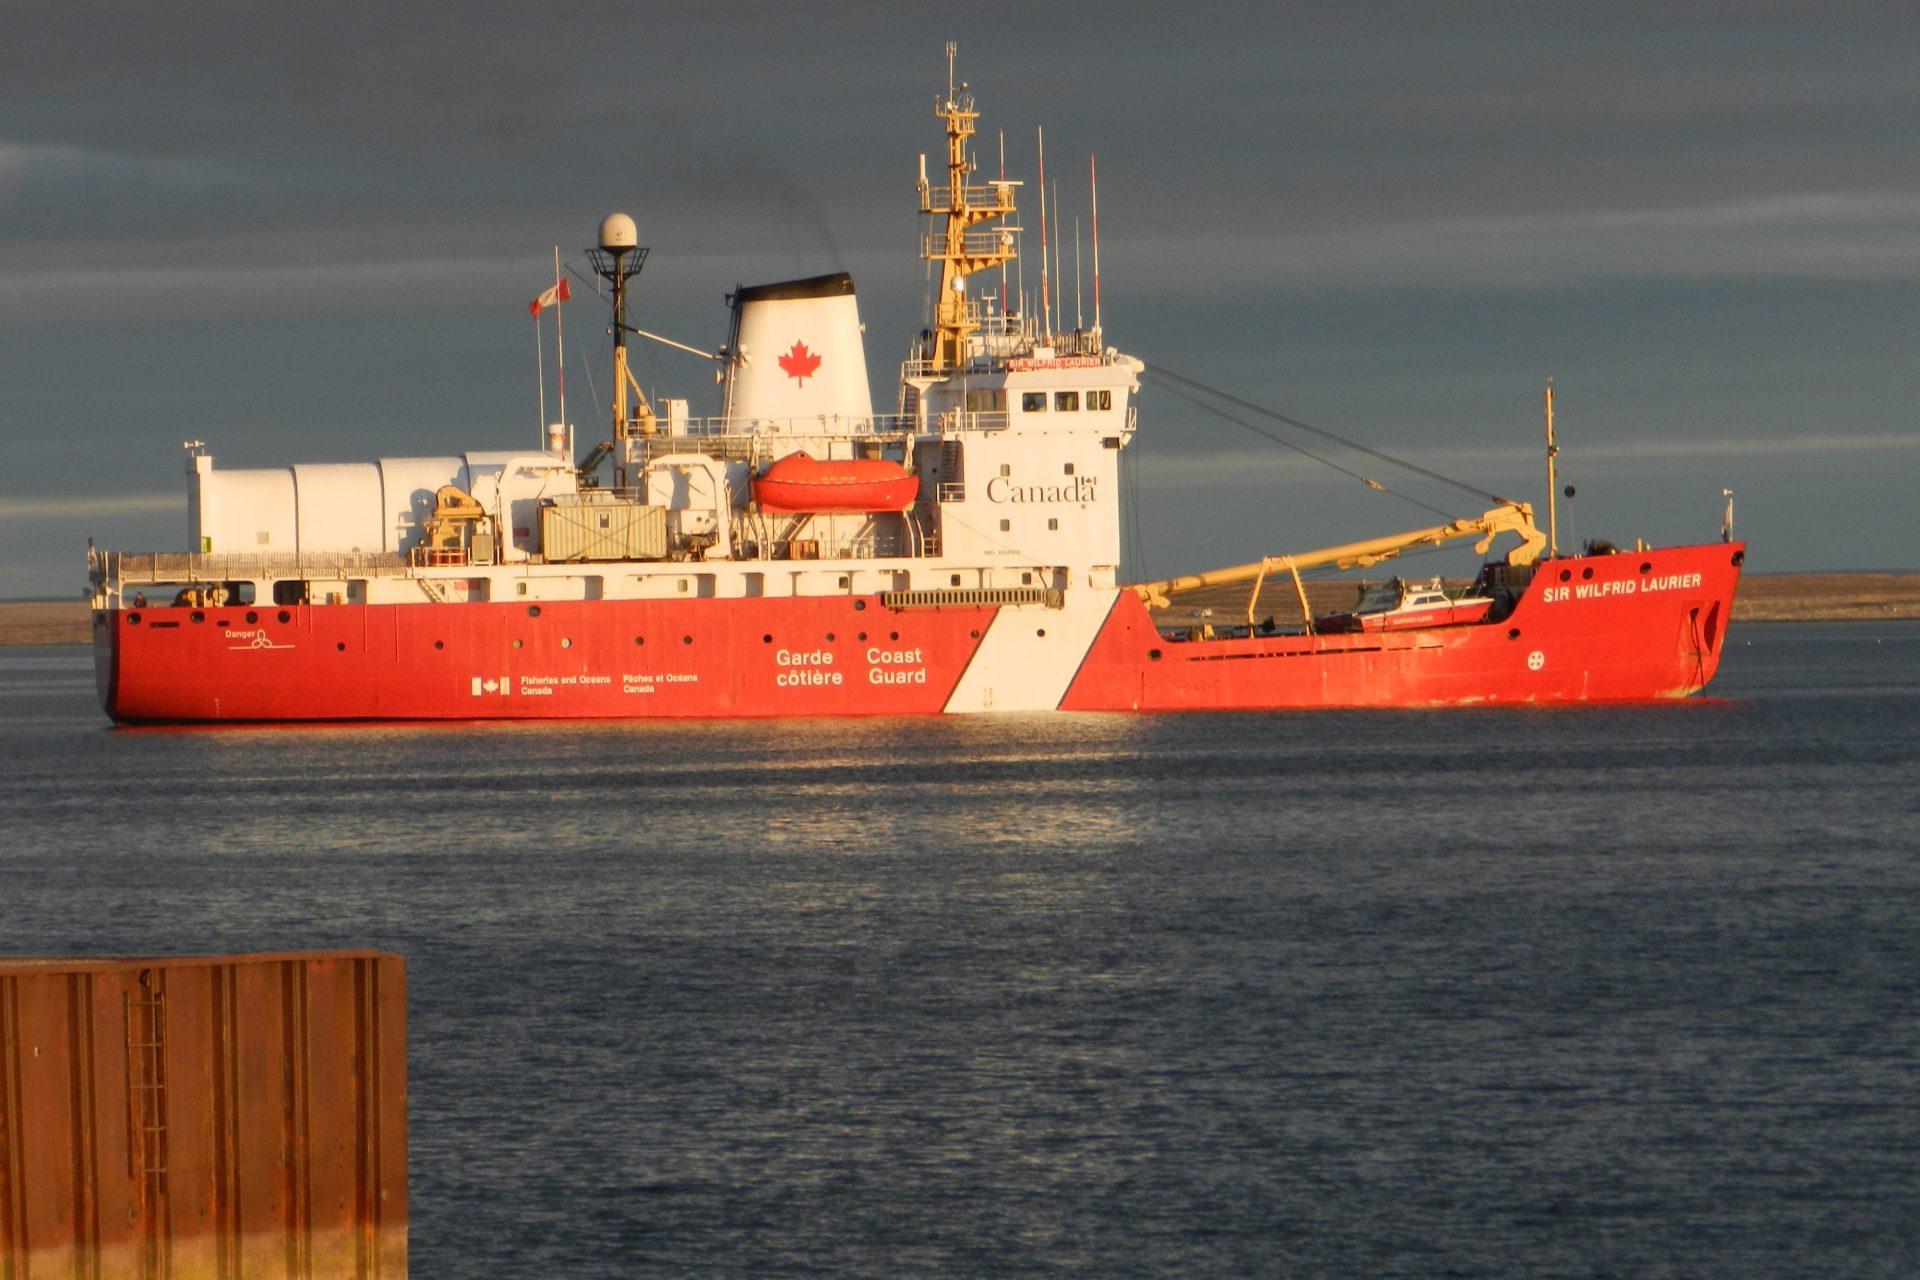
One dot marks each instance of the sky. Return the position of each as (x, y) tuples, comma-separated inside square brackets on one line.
[(310, 233)]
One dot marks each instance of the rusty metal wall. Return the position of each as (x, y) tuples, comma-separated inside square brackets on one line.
[(228, 1117)]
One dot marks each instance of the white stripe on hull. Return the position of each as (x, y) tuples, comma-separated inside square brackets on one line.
[(1029, 657)]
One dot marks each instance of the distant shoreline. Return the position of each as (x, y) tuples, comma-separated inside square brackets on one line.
[(1772, 597)]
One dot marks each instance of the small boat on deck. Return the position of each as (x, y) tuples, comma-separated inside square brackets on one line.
[(1397, 605), (800, 483)]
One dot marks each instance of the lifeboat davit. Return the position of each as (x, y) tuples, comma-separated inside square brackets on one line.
[(800, 483)]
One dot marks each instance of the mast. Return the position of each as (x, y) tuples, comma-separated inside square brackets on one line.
[(617, 260), (560, 342), (958, 247)]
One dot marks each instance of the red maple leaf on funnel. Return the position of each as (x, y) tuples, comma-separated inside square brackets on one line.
[(800, 362)]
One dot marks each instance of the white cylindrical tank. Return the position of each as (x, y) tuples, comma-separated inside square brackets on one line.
[(245, 512), (340, 507)]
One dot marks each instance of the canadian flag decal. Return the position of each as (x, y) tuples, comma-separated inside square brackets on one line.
[(800, 362)]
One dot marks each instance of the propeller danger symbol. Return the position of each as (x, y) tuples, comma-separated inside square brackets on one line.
[(800, 362)]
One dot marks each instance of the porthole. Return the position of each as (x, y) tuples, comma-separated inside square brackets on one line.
[(284, 616), (686, 639), (1153, 655), (565, 642), (341, 646), (1513, 633), (1587, 572), (533, 611), (893, 635), (252, 617), (829, 637), (1739, 558), (518, 643), (974, 635), (1040, 631), (859, 605), (197, 616), (133, 619), (639, 640), (1646, 566), (1566, 575), (439, 644), (862, 637), (766, 639)]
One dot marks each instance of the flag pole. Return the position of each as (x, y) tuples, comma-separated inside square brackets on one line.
[(560, 341), (540, 379)]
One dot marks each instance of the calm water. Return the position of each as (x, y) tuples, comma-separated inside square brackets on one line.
[(1533, 993)]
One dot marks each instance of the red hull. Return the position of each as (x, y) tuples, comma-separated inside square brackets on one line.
[(1624, 628), (559, 660), (1602, 629)]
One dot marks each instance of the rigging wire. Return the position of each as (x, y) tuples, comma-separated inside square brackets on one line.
[(1157, 373), (1265, 434), (1130, 485)]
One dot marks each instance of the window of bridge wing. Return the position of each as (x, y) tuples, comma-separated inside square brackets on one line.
[(1099, 400), (1033, 402), (1066, 401)]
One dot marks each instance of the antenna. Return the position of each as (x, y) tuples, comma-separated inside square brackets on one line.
[(1046, 296), (1059, 246), (1553, 513), (1093, 180), (952, 49), (1077, 325)]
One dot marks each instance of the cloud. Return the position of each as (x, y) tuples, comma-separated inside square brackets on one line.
[(1859, 235), (1250, 466), (125, 504), (63, 192)]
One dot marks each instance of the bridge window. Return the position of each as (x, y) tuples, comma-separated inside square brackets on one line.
[(1066, 401), (1033, 402), (1099, 399)]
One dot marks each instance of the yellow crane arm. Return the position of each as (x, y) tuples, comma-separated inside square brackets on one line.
[(1513, 517)]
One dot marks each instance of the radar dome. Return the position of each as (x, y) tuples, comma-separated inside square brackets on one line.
[(618, 232)]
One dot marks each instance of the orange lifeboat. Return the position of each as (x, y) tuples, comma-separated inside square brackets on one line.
[(800, 483)]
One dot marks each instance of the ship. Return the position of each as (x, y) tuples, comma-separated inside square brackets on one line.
[(800, 554)]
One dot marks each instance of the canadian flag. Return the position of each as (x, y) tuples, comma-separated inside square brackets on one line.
[(551, 297)]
